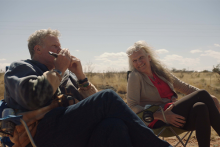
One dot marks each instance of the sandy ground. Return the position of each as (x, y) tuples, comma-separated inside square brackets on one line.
[(193, 142)]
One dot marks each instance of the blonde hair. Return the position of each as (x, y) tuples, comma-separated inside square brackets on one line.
[(37, 38), (156, 65)]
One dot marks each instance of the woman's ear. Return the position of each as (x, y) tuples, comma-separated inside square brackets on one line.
[(37, 49), (149, 57)]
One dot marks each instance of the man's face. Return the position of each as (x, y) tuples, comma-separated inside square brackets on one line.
[(50, 43)]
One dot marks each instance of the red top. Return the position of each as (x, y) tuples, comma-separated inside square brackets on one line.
[(164, 91), (162, 87)]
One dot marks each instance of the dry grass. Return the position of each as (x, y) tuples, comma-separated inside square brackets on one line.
[(2, 89), (208, 81), (110, 80)]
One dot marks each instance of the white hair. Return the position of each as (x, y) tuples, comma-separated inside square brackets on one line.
[(156, 65), (37, 38)]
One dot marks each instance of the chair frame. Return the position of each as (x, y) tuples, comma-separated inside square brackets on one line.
[(168, 126)]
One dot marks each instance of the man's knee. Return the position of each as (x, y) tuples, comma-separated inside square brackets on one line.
[(108, 94), (113, 123), (111, 126), (118, 124)]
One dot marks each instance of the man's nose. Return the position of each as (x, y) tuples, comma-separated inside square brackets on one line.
[(59, 50)]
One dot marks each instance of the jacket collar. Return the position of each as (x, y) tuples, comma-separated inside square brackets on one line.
[(38, 64)]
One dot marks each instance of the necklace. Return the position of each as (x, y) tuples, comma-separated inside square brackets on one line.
[(152, 78)]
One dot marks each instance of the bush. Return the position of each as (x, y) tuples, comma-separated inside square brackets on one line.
[(216, 69)]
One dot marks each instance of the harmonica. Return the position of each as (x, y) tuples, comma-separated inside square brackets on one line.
[(53, 54)]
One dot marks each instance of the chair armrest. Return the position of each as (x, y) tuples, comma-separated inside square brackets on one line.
[(163, 115)]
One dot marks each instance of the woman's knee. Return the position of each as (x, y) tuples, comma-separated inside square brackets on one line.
[(200, 108), (203, 92)]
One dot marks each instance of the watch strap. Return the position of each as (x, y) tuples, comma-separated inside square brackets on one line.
[(58, 71), (83, 81)]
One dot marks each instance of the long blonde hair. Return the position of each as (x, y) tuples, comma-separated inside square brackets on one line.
[(156, 65)]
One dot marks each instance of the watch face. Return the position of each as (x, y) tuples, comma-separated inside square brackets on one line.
[(148, 119), (148, 116)]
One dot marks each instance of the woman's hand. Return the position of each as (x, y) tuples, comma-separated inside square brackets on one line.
[(76, 68), (174, 119)]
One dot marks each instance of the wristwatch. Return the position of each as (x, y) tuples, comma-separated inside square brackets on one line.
[(148, 116), (149, 112), (57, 71)]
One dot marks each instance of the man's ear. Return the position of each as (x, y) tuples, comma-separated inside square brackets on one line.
[(37, 49)]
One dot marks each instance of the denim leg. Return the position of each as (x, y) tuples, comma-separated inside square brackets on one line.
[(74, 125), (111, 132)]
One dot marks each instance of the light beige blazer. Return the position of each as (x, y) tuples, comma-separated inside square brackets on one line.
[(141, 91)]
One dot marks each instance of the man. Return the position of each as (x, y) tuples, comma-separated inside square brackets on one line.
[(98, 119)]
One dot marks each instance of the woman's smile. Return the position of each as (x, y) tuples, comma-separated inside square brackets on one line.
[(141, 66)]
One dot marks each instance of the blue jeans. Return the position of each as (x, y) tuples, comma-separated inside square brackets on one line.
[(100, 120)]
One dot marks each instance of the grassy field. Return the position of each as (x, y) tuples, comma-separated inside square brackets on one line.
[(117, 81), (1, 86)]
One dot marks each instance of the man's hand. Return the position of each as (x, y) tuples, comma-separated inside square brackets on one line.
[(63, 60), (76, 68), (174, 119)]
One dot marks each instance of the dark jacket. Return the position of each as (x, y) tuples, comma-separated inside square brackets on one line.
[(27, 89)]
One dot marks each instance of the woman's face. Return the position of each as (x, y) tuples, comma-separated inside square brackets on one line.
[(141, 61)]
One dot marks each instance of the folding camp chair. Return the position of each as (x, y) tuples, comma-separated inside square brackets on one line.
[(13, 119), (169, 130)]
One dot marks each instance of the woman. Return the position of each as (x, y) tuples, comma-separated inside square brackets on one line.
[(151, 83)]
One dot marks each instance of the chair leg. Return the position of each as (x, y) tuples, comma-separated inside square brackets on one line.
[(177, 136), (183, 138), (161, 132), (187, 138)]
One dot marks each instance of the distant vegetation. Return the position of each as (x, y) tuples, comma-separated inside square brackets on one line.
[(216, 69), (117, 81)]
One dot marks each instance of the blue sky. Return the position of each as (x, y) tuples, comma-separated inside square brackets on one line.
[(184, 33)]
